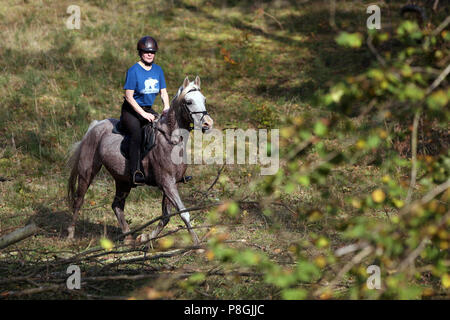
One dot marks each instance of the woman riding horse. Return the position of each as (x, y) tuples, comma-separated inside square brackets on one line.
[(144, 81)]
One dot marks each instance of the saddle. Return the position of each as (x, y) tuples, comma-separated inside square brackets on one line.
[(147, 143)]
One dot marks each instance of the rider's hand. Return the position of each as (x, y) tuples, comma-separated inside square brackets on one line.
[(149, 116)]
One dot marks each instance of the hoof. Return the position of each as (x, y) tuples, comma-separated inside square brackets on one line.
[(142, 238), (129, 241), (71, 234), (185, 179)]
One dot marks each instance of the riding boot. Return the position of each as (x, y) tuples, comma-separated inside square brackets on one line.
[(137, 176)]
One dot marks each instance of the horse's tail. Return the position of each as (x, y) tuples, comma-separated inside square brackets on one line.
[(73, 164)]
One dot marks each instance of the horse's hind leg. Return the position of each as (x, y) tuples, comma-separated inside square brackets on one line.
[(83, 185), (84, 181), (118, 206)]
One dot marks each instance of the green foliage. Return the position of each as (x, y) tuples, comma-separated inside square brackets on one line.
[(352, 40), (407, 237)]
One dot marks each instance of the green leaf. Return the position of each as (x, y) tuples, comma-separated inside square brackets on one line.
[(289, 188), (197, 277), (352, 40), (376, 74), (307, 271), (336, 93), (248, 258), (320, 129), (304, 180), (294, 294), (437, 100), (373, 141), (407, 28), (233, 209), (409, 293), (106, 244), (413, 92)]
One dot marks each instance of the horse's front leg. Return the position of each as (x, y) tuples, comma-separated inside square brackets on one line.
[(166, 204), (171, 192)]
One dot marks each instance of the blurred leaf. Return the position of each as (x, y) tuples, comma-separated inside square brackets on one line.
[(294, 294), (352, 40), (445, 280), (166, 242), (378, 196), (307, 271), (320, 129), (437, 100), (106, 244)]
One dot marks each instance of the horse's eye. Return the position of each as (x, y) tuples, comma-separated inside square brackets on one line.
[(189, 102)]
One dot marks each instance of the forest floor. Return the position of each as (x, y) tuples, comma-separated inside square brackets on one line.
[(259, 63)]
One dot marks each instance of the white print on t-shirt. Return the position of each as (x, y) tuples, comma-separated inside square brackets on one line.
[(150, 86)]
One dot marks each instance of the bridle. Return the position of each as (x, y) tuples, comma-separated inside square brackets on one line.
[(191, 119), (190, 113)]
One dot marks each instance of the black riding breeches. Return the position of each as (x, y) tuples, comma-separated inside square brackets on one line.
[(132, 124)]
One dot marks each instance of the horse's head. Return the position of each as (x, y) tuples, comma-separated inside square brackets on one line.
[(192, 105)]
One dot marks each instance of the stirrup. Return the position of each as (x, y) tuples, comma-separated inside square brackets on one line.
[(141, 182), (186, 179)]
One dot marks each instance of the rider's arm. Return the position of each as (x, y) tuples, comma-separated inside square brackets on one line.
[(136, 106), (165, 99)]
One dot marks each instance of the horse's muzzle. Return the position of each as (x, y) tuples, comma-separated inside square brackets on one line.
[(207, 123)]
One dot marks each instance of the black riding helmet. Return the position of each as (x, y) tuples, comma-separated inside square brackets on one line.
[(147, 44)]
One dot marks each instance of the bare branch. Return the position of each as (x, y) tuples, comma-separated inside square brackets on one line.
[(441, 27), (367, 250), (439, 79), (414, 156)]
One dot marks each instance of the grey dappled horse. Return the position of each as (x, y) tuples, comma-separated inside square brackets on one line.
[(100, 146)]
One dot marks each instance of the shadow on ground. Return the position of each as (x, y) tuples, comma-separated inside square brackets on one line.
[(55, 223)]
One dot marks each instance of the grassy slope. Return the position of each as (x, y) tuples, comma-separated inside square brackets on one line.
[(55, 81)]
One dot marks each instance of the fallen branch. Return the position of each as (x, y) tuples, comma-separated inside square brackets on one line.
[(146, 257), (18, 235), (354, 261), (31, 291), (166, 216)]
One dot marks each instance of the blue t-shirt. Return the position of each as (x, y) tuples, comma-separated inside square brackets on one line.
[(146, 84)]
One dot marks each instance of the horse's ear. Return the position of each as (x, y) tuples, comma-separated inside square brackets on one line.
[(186, 82), (197, 81)]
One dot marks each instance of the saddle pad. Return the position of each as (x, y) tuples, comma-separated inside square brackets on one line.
[(148, 140)]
